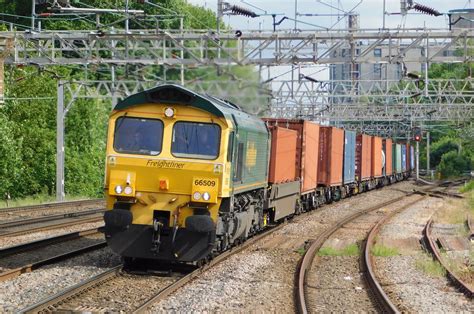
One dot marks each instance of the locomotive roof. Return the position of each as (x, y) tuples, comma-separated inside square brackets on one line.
[(176, 94)]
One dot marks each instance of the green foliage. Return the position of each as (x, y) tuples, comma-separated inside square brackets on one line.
[(443, 146), (383, 251), (350, 250), (32, 125), (86, 126), (194, 16), (9, 148), (453, 164)]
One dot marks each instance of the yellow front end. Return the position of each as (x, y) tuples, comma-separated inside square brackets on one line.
[(162, 188)]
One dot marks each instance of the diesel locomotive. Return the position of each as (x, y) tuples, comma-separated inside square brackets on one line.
[(187, 177)]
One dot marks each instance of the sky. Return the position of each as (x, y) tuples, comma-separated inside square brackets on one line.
[(371, 13)]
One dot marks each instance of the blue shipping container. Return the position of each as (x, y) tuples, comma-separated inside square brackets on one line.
[(349, 156), (404, 158)]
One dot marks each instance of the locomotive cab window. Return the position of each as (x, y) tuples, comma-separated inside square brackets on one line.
[(138, 136), (196, 140)]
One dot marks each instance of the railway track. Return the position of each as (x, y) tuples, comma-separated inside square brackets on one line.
[(56, 206), (30, 225), (27, 257), (70, 299), (433, 249), (381, 298), (307, 259)]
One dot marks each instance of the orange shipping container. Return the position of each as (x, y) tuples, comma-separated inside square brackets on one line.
[(283, 155), (307, 147), (331, 156), (363, 156), (377, 160), (388, 156)]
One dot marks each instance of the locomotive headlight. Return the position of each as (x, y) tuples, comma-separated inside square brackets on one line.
[(169, 112), (196, 196), (118, 189), (206, 196), (128, 190)]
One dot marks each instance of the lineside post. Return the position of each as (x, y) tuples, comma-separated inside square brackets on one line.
[(417, 160), (60, 143), (428, 153)]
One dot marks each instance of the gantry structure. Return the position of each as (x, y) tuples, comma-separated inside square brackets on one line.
[(354, 103), (333, 101)]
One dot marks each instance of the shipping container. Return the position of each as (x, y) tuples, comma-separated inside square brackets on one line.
[(387, 148), (404, 157), (363, 156), (331, 156), (412, 157), (283, 155), (307, 147), (408, 156), (397, 158), (349, 156), (377, 160)]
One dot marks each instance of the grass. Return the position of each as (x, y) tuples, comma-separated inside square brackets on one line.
[(454, 211), (430, 267), (383, 251), (470, 202), (350, 250), (301, 251), (468, 187)]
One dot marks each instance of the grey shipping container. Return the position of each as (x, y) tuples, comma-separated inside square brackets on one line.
[(349, 156), (397, 158), (404, 158)]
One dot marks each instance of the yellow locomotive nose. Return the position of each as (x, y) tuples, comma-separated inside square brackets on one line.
[(122, 183), (204, 190)]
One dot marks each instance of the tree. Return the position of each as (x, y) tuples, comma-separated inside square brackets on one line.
[(9, 149), (454, 164)]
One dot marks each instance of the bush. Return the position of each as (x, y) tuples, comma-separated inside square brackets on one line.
[(453, 164)]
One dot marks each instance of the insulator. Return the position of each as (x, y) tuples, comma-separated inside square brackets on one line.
[(426, 10), (242, 11)]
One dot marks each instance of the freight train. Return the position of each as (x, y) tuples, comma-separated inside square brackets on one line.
[(190, 175)]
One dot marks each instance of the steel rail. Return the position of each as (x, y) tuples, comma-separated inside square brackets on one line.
[(70, 221), (20, 248), (30, 246), (431, 246), (196, 273), (34, 220), (49, 304), (52, 205), (308, 257), (382, 298), (51, 260)]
